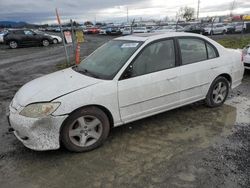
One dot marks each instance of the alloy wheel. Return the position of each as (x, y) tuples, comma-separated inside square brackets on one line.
[(219, 92), (85, 131), (13, 44), (45, 43)]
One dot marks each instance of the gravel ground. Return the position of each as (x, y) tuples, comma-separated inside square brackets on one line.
[(192, 146)]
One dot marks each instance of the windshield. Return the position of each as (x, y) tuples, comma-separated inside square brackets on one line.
[(106, 61)]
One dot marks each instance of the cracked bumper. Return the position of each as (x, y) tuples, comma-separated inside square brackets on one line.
[(37, 133)]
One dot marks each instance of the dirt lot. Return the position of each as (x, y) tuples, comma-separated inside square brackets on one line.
[(193, 146)]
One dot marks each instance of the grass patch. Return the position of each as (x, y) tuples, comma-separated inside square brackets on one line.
[(61, 66), (234, 42)]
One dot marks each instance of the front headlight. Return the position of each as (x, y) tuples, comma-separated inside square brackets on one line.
[(39, 110)]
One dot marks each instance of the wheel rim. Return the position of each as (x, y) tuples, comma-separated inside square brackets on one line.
[(85, 131), (13, 44), (219, 92), (45, 43), (55, 41)]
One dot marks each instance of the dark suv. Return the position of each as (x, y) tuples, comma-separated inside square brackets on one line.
[(26, 37)]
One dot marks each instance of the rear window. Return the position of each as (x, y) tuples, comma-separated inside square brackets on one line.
[(18, 32), (194, 50)]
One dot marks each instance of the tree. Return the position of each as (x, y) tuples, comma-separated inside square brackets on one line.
[(88, 23), (186, 13)]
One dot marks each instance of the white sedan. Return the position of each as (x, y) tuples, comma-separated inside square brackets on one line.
[(140, 30), (128, 78), (56, 39)]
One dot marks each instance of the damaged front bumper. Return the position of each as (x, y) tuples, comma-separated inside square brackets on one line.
[(36, 133)]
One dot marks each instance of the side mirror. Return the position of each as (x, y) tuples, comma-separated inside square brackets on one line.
[(128, 72)]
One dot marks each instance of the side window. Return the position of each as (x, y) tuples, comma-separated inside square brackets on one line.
[(27, 32), (155, 57), (211, 52), (18, 32), (192, 50)]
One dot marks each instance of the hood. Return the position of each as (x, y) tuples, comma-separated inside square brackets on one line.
[(52, 86)]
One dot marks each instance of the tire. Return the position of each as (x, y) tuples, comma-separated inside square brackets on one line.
[(13, 44), (85, 130), (55, 41), (218, 92), (224, 32), (45, 42)]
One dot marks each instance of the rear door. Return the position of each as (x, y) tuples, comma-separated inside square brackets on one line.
[(32, 37), (196, 71), (150, 84)]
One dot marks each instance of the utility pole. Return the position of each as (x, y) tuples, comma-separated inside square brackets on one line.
[(198, 9), (127, 14), (232, 7)]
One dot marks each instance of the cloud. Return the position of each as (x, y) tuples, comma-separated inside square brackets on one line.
[(38, 11)]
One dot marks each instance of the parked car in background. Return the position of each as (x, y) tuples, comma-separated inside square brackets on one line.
[(240, 27), (213, 29), (56, 39), (140, 30), (169, 28), (127, 79), (246, 56), (24, 37), (113, 31), (93, 30), (102, 31), (194, 29), (161, 29), (2, 34), (57, 29), (230, 28), (127, 31)]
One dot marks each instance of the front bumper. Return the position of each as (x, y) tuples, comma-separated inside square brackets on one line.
[(37, 133), (247, 66)]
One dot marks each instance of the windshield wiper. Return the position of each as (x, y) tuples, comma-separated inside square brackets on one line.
[(85, 72)]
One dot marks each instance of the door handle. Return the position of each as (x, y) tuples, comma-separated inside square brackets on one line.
[(172, 78), (214, 67)]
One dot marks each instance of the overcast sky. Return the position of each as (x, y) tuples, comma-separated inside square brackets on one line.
[(43, 11)]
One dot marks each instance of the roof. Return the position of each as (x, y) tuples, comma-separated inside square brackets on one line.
[(154, 36)]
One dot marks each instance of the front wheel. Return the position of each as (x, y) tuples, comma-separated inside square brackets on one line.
[(85, 129), (45, 42), (13, 44), (218, 92)]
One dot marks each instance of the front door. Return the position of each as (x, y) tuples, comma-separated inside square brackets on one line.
[(152, 85)]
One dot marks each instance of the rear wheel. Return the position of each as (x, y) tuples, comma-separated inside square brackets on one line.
[(13, 44), (45, 42), (218, 92), (55, 41), (85, 129)]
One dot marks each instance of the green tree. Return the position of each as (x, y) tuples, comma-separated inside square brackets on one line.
[(187, 13)]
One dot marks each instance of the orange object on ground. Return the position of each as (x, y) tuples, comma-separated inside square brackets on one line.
[(78, 54)]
